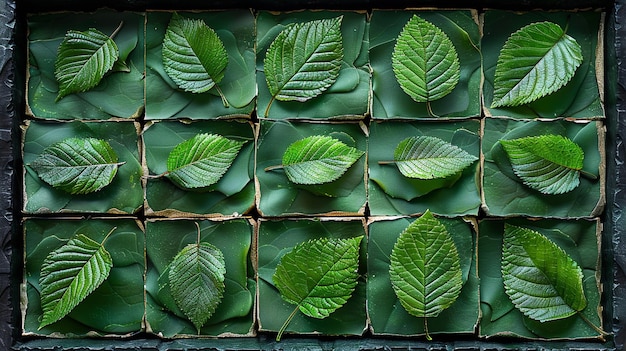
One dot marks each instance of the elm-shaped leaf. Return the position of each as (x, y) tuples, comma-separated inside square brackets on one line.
[(202, 160), (426, 157), (535, 61), (318, 276), (424, 61), (77, 165), (541, 280), (83, 58), (549, 163)]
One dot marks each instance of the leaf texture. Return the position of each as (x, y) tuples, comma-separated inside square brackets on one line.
[(196, 279), (77, 165), (193, 55), (541, 280), (535, 61), (424, 61), (426, 157), (550, 163), (425, 268), (202, 160), (83, 58), (304, 60), (318, 159), (69, 274)]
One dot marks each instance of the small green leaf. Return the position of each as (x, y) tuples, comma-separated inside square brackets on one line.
[(535, 61), (425, 268), (77, 165), (304, 60), (82, 60), (193, 55), (196, 279), (318, 159), (202, 160), (424, 61), (427, 157), (318, 276), (69, 274), (550, 163), (541, 280)]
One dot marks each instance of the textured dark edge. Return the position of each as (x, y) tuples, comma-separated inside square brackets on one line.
[(12, 60)]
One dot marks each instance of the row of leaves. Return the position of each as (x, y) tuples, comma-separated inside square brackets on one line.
[(304, 60), (320, 275)]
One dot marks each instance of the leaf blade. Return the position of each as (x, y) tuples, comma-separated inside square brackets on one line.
[(424, 61), (535, 61), (541, 280), (77, 165)]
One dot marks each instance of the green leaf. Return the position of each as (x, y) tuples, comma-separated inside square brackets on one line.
[(549, 163), (202, 160), (318, 276), (77, 165), (196, 279), (427, 157), (83, 58), (318, 159), (535, 61), (424, 61), (193, 55), (425, 268), (69, 274), (541, 280), (304, 60)]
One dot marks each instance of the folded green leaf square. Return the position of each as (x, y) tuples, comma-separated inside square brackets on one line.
[(98, 71), (412, 57), (182, 310), (101, 176), (200, 65), (195, 151), (556, 76), (109, 253)]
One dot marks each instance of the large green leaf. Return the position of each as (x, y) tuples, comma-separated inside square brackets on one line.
[(425, 269), (548, 163), (193, 55), (304, 60), (69, 274), (196, 280), (535, 61), (318, 276), (425, 61), (202, 160), (318, 159), (426, 157), (541, 280), (77, 165), (83, 58)]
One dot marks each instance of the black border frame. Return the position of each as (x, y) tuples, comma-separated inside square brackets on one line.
[(13, 64)]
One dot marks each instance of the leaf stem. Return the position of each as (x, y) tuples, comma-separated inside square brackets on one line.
[(282, 329), (271, 168), (267, 109), (107, 236), (119, 27), (428, 337), (593, 326), (198, 229), (386, 162), (430, 110), (588, 175), (224, 101)]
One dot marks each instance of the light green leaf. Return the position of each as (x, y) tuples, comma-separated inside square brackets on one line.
[(318, 276), (549, 163), (424, 61), (83, 58), (196, 279), (426, 157), (304, 60), (202, 160), (541, 280), (318, 159), (69, 274), (535, 61), (77, 165), (193, 55), (425, 268)]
